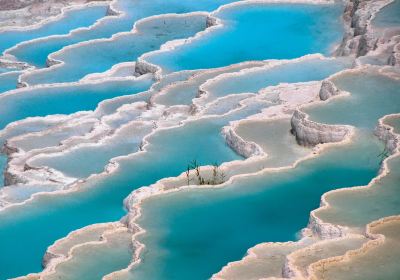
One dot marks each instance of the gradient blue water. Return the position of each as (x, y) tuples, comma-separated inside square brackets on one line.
[(72, 20), (358, 208), (389, 16), (395, 123), (269, 208), (191, 235), (271, 31), (304, 71), (8, 81), (93, 159), (36, 53), (25, 232), (92, 262), (53, 100), (35, 226), (373, 95), (4, 70), (127, 47)]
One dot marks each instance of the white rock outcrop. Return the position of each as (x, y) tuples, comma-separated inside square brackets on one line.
[(387, 135), (309, 133), (328, 89), (143, 67), (363, 39), (239, 145), (357, 16), (325, 230), (394, 58)]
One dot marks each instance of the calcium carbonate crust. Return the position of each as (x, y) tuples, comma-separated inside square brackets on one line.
[(326, 232), (307, 133)]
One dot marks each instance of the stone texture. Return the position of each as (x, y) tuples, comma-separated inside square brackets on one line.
[(309, 133)]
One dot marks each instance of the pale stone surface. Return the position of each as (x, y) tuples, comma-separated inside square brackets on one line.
[(27, 12), (239, 145), (328, 89), (309, 133)]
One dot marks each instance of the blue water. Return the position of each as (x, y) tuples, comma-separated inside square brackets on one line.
[(304, 71), (265, 208), (395, 123), (36, 53), (191, 235), (358, 208), (53, 100), (373, 95), (38, 224), (127, 47), (271, 31), (8, 81), (93, 159), (4, 70), (94, 261), (389, 16), (72, 20)]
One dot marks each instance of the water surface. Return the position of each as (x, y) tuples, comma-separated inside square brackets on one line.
[(52, 100), (48, 218), (73, 19), (192, 234), (297, 30), (150, 35), (8, 81), (389, 16), (37, 52)]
